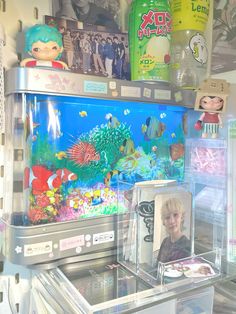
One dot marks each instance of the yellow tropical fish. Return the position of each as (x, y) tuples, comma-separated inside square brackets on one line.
[(61, 155), (88, 195), (109, 176), (127, 148), (113, 122), (173, 135), (83, 114), (97, 193), (144, 128)]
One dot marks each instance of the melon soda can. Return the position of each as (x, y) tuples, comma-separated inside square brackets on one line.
[(149, 40)]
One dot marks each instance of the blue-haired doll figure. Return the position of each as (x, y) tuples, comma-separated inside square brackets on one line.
[(44, 44)]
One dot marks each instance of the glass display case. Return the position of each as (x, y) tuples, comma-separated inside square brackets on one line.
[(64, 155), (156, 240), (159, 215), (206, 170), (81, 152), (231, 208), (90, 182)]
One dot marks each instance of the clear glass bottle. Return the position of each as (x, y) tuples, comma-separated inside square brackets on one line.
[(189, 48), (189, 58)]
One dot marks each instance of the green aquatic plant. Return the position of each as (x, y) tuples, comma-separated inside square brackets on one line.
[(42, 152), (104, 210), (108, 140)]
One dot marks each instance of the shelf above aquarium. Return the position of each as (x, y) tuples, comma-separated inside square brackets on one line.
[(48, 81)]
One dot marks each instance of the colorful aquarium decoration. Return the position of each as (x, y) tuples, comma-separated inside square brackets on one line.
[(76, 150)]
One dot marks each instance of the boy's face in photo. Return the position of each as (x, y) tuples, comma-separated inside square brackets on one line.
[(173, 221)]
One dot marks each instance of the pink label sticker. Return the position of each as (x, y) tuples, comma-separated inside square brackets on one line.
[(70, 243)]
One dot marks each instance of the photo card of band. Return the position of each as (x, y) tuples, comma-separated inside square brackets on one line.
[(88, 50), (172, 232)]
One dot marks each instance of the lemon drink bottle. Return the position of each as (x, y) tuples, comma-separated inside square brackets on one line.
[(189, 48), (149, 40)]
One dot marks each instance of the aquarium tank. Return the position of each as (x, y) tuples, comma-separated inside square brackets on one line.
[(65, 155)]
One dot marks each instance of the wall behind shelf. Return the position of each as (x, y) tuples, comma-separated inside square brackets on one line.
[(16, 15)]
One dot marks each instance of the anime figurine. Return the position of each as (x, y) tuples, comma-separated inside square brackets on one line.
[(210, 120), (211, 98), (44, 44)]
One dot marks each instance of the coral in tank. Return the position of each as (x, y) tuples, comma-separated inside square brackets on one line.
[(94, 153)]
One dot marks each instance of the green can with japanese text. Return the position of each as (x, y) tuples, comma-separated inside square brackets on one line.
[(149, 40)]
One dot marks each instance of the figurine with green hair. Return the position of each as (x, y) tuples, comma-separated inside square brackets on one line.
[(44, 44)]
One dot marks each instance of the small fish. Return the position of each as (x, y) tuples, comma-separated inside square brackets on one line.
[(113, 122), (173, 135), (144, 128), (97, 201), (110, 175), (61, 155), (97, 197), (34, 138), (162, 115), (126, 112), (94, 197), (153, 129), (108, 116), (88, 195), (83, 114), (97, 193), (154, 149), (127, 147)]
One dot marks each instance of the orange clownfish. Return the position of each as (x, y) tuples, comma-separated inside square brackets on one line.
[(41, 179)]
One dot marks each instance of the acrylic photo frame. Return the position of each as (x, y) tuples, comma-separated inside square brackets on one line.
[(166, 206), (87, 58)]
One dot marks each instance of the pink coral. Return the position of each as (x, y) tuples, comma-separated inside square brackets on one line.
[(42, 200), (37, 215)]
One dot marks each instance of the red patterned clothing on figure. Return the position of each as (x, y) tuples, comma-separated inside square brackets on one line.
[(43, 63)]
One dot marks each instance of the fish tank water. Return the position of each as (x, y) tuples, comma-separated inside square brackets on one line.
[(64, 155)]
